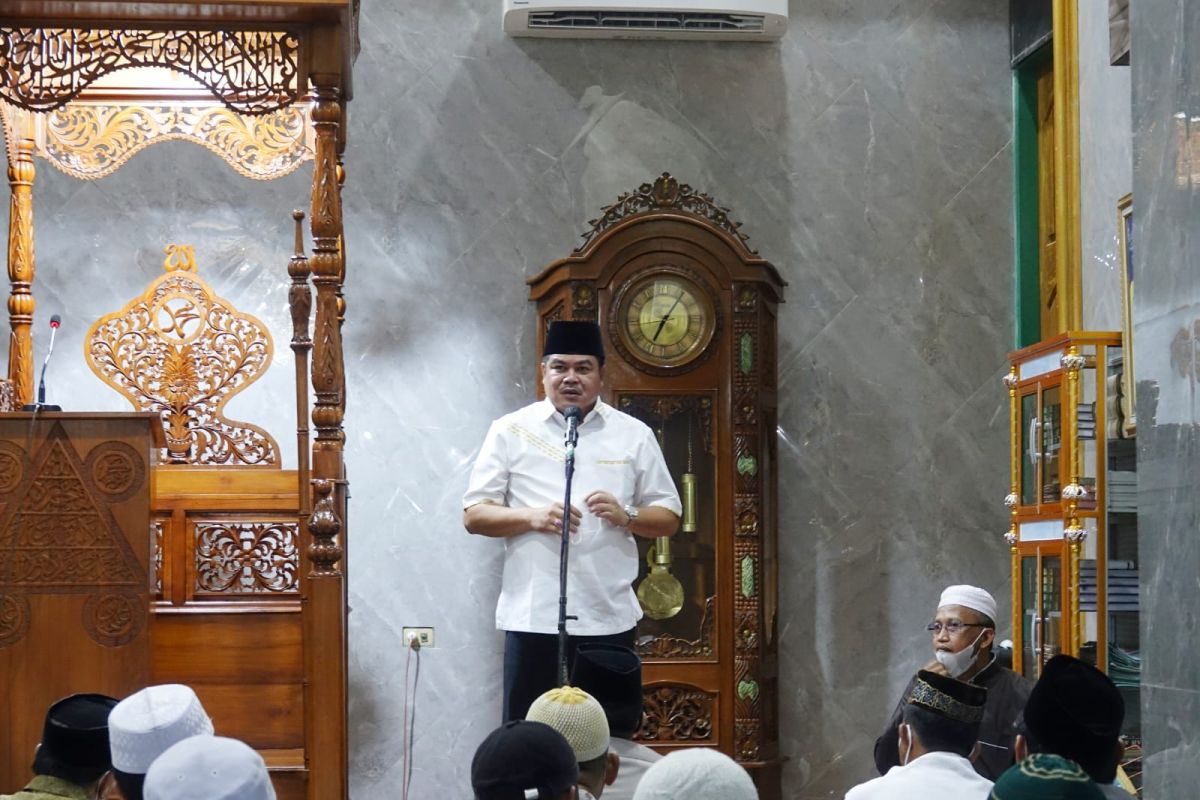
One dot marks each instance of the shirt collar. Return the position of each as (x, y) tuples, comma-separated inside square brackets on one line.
[(600, 411)]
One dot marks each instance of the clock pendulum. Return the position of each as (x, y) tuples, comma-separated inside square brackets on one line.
[(688, 483), (660, 593)]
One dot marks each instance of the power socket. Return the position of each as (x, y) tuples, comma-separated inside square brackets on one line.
[(417, 638)]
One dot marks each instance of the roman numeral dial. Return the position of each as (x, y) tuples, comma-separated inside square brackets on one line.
[(665, 320)]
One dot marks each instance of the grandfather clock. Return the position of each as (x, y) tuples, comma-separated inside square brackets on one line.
[(688, 312)]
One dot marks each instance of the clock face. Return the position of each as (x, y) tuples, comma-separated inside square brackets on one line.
[(665, 320)]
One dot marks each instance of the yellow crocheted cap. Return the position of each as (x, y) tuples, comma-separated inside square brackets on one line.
[(577, 716)]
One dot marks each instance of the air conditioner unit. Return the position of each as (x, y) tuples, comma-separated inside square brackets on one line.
[(739, 20)]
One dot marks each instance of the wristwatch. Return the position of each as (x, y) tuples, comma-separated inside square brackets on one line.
[(632, 513)]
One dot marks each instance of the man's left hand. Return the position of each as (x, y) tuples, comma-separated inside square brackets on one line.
[(608, 508)]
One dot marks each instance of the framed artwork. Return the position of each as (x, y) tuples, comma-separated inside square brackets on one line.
[(1125, 240)]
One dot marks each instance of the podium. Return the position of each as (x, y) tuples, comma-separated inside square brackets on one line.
[(75, 583)]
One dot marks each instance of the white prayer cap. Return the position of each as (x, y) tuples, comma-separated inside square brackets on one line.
[(971, 597), (146, 723), (578, 716), (208, 768), (698, 773)]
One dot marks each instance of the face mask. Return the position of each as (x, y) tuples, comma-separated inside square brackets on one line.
[(958, 663), (907, 750)]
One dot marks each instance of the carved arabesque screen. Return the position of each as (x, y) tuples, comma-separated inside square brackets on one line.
[(182, 352)]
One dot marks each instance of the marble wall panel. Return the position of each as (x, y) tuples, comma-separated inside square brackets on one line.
[(1166, 97), (868, 155), (1105, 168)]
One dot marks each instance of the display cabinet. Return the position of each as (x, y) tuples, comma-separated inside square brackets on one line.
[(1073, 531), (688, 313)]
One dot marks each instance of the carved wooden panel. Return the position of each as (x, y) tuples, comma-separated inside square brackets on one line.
[(676, 713), (183, 352), (235, 557), (666, 646), (74, 556)]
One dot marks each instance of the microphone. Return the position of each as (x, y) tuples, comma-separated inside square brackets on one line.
[(571, 414), (55, 321)]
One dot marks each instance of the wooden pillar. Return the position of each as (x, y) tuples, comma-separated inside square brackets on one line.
[(325, 599), (20, 261)]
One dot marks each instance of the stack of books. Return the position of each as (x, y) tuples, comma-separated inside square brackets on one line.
[(1124, 667), (1122, 592), (1122, 491), (1085, 420)]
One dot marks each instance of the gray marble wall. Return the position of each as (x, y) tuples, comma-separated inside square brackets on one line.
[(869, 154), (1105, 168), (1166, 113)]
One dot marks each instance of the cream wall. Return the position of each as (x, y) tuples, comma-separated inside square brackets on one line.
[(869, 155)]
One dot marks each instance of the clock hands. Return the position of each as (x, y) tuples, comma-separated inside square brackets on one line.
[(665, 317)]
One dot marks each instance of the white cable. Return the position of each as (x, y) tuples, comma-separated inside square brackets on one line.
[(408, 723)]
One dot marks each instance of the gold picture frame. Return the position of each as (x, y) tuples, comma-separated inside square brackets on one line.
[(1128, 385)]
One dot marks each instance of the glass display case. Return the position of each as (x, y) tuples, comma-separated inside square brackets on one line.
[(1073, 531)]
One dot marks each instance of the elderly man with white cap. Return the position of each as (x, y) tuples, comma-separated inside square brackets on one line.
[(962, 633)]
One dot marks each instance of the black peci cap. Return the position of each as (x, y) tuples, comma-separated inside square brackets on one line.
[(948, 697), (521, 757), (75, 739), (613, 675), (574, 338)]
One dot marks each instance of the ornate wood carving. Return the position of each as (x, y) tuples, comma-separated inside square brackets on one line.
[(39, 554), (664, 194), (583, 302), (676, 713), (663, 406), (156, 555), (183, 352), (90, 141), (668, 647), (247, 558), (252, 72), (20, 265)]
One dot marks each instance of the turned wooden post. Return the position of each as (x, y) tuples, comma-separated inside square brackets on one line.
[(21, 263)]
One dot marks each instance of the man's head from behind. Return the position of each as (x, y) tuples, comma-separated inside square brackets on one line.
[(1044, 776), (941, 714), (613, 675), (209, 768), (1076, 711), (524, 760), (145, 724), (579, 718), (74, 743), (698, 773)]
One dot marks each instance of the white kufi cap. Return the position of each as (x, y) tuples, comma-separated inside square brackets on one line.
[(971, 597), (578, 716), (142, 726), (699, 773), (209, 768)]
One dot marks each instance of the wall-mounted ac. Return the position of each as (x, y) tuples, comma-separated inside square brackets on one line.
[(740, 20)]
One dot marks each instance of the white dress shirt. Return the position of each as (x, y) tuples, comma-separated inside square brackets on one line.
[(521, 465), (635, 760), (933, 776)]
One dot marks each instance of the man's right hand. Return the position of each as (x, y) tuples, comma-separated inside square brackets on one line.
[(938, 667), (548, 519)]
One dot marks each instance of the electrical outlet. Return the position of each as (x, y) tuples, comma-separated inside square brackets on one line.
[(424, 636)]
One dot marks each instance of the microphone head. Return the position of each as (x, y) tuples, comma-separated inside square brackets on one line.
[(571, 412), (55, 321)]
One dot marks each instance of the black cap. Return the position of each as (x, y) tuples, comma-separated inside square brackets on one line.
[(613, 675), (1076, 711), (574, 338), (521, 756), (948, 697), (75, 739)]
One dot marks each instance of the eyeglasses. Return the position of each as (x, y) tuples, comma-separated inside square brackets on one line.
[(953, 627)]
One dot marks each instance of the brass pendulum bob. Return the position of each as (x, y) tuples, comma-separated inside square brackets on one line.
[(660, 593)]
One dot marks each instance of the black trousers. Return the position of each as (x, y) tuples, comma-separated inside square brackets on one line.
[(531, 665)]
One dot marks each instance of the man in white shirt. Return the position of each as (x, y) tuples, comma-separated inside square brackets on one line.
[(938, 734), (613, 675), (515, 493)]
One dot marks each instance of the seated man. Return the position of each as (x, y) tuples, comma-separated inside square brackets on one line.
[(526, 761), (613, 675), (209, 767), (938, 733), (1076, 711), (73, 754), (579, 718), (698, 773), (145, 724), (962, 634), (1044, 776)]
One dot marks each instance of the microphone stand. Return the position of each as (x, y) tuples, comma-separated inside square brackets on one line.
[(572, 440), (41, 404)]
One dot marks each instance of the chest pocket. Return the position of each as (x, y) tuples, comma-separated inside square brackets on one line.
[(615, 475)]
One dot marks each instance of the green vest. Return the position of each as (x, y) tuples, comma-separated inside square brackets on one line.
[(45, 787)]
